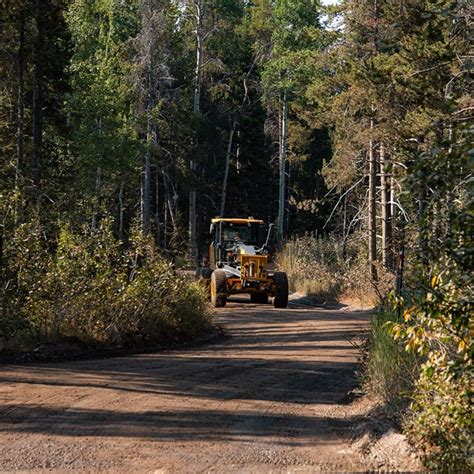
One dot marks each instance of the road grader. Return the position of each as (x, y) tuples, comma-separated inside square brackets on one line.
[(238, 263)]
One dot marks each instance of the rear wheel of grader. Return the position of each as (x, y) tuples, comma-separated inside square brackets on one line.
[(259, 298), (280, 280), (218, 289)]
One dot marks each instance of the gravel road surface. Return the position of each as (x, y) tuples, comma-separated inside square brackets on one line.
[(269, 397)]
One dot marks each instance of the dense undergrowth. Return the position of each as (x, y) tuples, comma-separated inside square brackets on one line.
[(93, 288), (328, 269), (420, 365), (437, 327)]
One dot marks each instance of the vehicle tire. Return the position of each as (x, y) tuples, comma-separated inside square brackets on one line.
[(280, 280), (259, 298), (218, 289)]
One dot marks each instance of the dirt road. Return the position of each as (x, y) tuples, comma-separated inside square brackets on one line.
[(270, 397)]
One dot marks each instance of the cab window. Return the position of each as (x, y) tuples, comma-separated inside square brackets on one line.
[(248, 234)]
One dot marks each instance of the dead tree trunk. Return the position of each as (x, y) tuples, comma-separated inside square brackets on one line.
[(238, 164), (193, 244), (154, 74), (282, 187), (393, 214), (227, 163), (372, 210), (385, 210)]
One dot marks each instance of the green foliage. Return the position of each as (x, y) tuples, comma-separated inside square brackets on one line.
[(437, 318), (296, 32), (440, 419), (98, 96), (94, 289), (397, 74), (101, 101), (438, 326)]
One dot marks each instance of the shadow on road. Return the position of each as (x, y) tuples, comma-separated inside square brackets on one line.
[(207, 377), (290, 357), (176, 425)]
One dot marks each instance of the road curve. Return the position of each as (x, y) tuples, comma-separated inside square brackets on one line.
[(268, 398)]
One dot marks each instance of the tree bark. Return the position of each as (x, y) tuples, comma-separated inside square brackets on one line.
[(193, 244), (199, 50), (227, 163), (282, 187), (372, 210), (238, 165), (154, 74), (393, 213), (385, 211)]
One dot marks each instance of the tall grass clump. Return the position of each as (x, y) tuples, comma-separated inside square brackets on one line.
[(93, 288), (391, 371), (328, 269)]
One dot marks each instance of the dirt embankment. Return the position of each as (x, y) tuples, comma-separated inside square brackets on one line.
[(271, 397)]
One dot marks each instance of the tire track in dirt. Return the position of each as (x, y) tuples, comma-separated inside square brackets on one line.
[(264, 399)]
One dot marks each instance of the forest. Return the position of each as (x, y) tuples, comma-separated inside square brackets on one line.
[(126, 125)]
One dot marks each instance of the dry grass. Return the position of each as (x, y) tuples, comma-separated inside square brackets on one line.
[(390, 371), (328, 270)]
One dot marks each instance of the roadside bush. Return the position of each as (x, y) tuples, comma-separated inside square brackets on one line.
[(390, 371), (327, 269), (93, 288), (437, 326)]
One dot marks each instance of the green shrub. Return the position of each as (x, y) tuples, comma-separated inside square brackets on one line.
[(93, 288), (440, 420), (437, 325)]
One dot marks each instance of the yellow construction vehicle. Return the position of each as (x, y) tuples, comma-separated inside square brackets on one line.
[(238, 263)]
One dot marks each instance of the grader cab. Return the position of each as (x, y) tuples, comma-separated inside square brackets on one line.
[(238, 263)]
